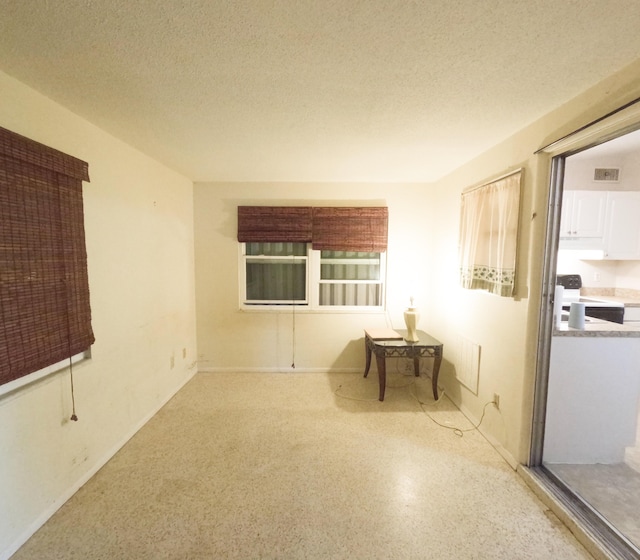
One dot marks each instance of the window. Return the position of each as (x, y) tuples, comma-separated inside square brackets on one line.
[(351, 278), (320, 258), (281, 274), (276, 273), (45, 315)]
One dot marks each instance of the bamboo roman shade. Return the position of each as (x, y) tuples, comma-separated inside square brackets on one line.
[(274, 224), (350, 229), (45, 316), (362, 229)]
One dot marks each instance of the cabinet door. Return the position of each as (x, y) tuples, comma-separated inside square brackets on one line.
[(582, 220), (622, 239), (588, 213), (566, 227)]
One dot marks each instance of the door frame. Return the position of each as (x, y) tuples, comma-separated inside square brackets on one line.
[(603, 130)]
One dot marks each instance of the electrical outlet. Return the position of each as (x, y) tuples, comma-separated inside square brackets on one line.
[(496, 400), (172, 362), (184, 353)]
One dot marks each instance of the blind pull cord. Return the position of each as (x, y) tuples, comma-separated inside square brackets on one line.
[(293, 325), (74, 417)]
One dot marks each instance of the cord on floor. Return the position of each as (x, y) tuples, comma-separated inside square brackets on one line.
[(457, 431)]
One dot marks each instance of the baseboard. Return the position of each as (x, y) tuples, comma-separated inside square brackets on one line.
[(510, 459), (210, 369), (63, 498)]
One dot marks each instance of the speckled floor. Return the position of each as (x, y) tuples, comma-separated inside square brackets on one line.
[(303, 465)]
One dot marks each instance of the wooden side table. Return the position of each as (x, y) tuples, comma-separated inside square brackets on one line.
[(426, 347)]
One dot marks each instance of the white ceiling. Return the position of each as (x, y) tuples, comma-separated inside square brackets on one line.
[(315, 90)]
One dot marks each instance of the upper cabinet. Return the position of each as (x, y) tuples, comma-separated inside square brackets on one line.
[(582, 222), (607, 221), (622, 228)]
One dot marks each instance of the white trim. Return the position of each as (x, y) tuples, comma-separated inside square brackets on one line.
[(58, 367), (313, 281), (510, 459), (305, 309), (242, 278), (611, 126), (65, 496), (236, 369)]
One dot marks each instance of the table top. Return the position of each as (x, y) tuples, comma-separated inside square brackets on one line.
[(424, 340)]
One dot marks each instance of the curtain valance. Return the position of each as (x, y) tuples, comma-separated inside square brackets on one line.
[(489, 235), (361, 229)]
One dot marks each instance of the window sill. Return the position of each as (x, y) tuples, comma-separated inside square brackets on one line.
[(26, 380), (306, 310)]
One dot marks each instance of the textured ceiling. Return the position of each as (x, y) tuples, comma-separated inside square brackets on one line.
[(315, 90)]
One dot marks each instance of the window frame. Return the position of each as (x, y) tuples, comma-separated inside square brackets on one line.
[(242, 276), (313, 282)]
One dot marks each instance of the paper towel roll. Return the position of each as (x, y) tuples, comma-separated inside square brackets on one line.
[(557, 304), (576, 315)]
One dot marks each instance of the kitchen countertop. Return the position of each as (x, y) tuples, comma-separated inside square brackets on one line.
[(598, 328)]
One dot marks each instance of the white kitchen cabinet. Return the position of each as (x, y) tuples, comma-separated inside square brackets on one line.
[(582, 222), (622, 227), (592, 399)]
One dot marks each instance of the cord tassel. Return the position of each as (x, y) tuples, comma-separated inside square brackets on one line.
[(74, 417)]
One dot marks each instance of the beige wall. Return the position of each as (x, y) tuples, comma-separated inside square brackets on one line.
[(507, 330), (139, 233), (141, 268), (230, 339), (423, 236)]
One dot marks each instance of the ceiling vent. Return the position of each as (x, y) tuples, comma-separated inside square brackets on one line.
[(606, 174)]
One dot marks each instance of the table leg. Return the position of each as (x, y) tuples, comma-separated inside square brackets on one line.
[(416, 365), (368, 358), (434, 376), (382, 374)]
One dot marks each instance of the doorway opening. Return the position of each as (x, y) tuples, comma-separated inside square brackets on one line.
[(586, 441)]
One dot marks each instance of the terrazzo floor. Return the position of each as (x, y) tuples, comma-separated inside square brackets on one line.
[(304, 465)]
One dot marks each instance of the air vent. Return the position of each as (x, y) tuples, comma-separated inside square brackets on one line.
[(606, 174)]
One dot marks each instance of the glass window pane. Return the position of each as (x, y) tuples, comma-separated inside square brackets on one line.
[(349, 265), (276, 281), (351, 294), (277, 249)]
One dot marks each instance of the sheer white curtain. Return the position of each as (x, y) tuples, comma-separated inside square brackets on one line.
[(489, 235)]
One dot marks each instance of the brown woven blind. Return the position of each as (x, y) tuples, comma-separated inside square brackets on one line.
[(45, 315), (350, 229), (291, 224)]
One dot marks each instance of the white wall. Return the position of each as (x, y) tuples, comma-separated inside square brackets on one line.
[(139, 238), (139, 234), (230, 339), (424, 221), (579, 175), (579, 171), (507, 329)]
